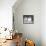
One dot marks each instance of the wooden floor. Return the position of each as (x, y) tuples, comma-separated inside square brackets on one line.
[(14, 42), (9, 43)]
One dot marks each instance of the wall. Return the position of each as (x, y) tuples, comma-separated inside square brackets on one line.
[(30, 31), (6, 13), (43, 22)]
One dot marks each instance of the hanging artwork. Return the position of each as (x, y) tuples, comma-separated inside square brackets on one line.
[(28, 19)]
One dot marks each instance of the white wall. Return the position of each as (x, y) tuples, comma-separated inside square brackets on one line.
[(43, 22), (31, 31), (6, 13)]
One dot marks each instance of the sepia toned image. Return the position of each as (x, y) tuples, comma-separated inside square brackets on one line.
[(22, 22)]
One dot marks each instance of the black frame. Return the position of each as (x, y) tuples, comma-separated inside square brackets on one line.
[(28, 16)]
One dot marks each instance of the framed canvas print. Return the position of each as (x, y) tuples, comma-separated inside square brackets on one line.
[(28, 19)]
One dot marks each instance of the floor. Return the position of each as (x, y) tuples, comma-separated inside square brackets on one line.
[(16, 41), (9, 43)]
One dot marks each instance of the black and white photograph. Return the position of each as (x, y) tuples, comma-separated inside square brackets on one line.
[(28, 19)]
